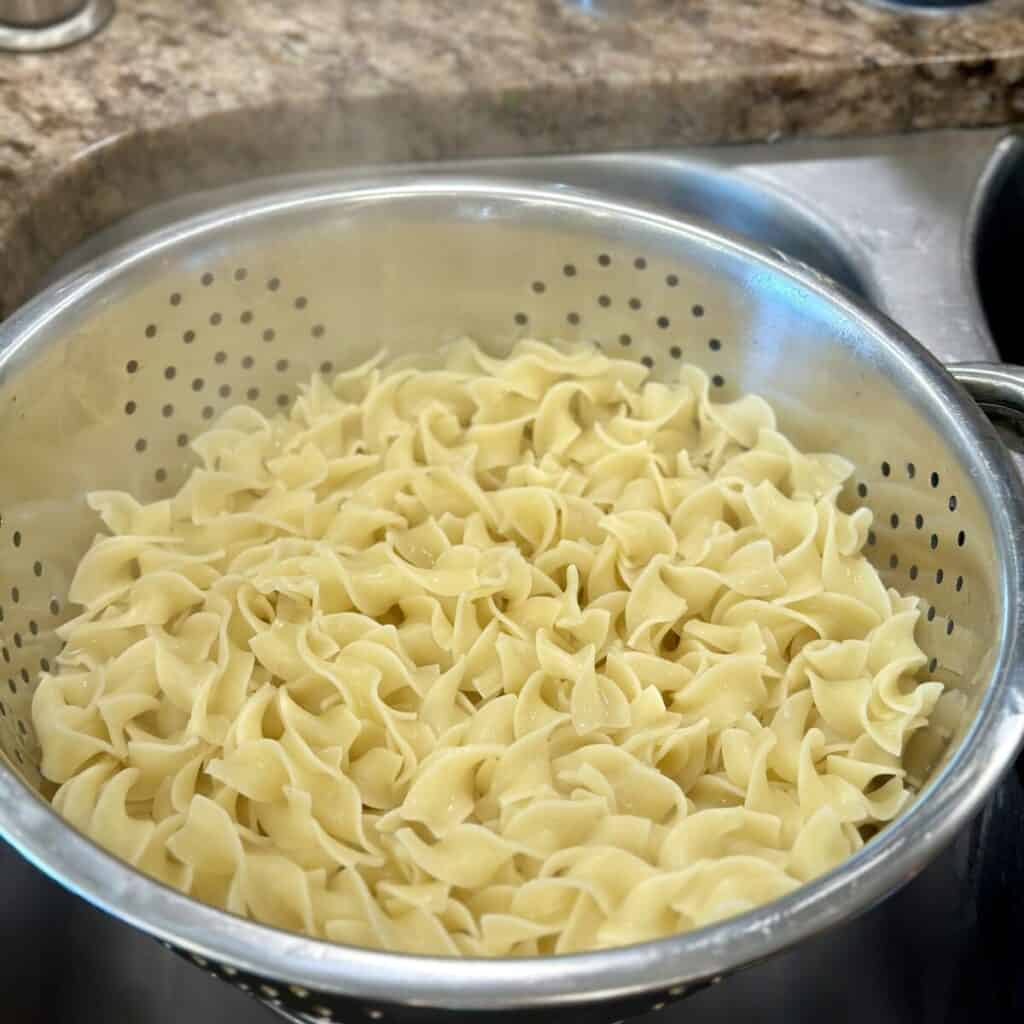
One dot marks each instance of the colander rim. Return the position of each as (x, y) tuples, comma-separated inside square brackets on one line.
[(672, 964)]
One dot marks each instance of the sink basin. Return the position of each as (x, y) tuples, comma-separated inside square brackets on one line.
[(995, 247)]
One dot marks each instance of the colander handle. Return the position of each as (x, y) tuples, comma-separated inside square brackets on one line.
[(999, 389)]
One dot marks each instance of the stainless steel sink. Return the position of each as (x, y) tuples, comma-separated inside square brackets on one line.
[(899, 222)]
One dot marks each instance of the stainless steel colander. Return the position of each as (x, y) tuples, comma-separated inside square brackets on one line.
[(105, 379)]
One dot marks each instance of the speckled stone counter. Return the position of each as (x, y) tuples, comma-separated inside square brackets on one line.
[(173, 97)]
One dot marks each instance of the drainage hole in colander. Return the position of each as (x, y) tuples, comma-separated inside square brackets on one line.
[(182, 440), (573, 318), (37, 569), (327, 366), (224, 391), (640, 263), (931, 613), (913, 572), (718, 380), (521, 319), (872, 539), (919, 521), (911, 470), (246, 317), (940, 575), (25, 677), (625, 340), (697, 310), (160, 475), (672, 281), (635, 303), (170, 372), (933, 541), (16, 538), (248, 362), (952, 503), (886, 469), (604, 259), (949, 628), (862, 490), (207, 412), (894, 561), (281, 365), (3, 710), (15, 594), (648, 362), (569, 270), (935, 479), (167, 411), (959, 585), (961, 539), (12, 686), (894, 520), (241, 274), (252, 394), (175, 298), (131, 366), (150, 331), (539, 287), (198, 384), (604, 301), (206, 280), (54, 606), (269, 334), (215, 319), (318, 330), (129, 408), (141, 445), (301, 302), (220, 358), (662, 322), (17, 640), (273, 284), (33, 627), (715, 345), (282, 400), (675, 352)]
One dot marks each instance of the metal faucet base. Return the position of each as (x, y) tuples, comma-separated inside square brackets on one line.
[(57, 35)]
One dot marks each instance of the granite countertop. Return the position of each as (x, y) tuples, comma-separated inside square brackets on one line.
[(170, 98)]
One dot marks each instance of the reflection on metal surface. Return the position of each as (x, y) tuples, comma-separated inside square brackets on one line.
[(33, 26)]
